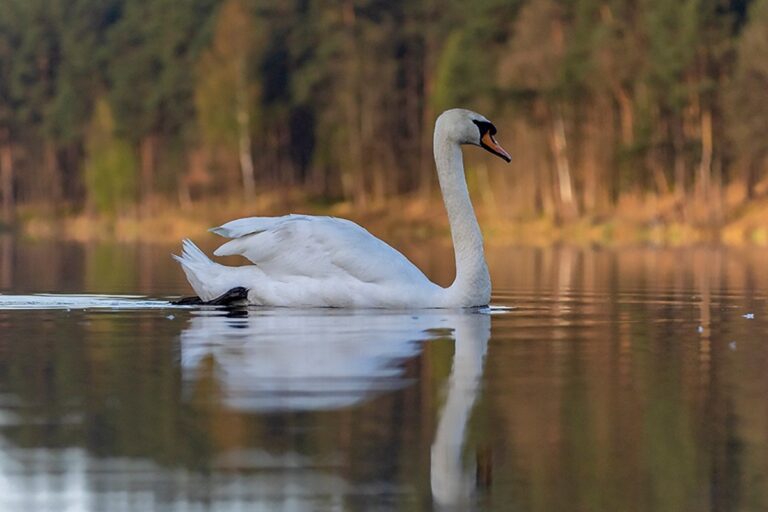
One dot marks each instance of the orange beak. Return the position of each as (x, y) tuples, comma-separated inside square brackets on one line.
[(490, 144)]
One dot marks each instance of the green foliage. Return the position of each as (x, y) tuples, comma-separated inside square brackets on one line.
[(673, 31), (471, 51), (84, 27), (154, 47), (749, 89), (110, 168), (9, 35), (339, 96), (224, 78), (458, 61), (35, 61)]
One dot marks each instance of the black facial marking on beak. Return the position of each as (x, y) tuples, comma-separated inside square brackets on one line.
[(485, 127), (488, 142)]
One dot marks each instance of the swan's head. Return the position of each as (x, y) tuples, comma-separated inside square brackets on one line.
[(466, 127)]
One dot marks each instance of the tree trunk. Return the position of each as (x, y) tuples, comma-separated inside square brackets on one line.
[(717, 185), (53, 190), (244, 141), (678, 148), (6, 262), (426, 158), (148, 149), (627, 118), (705, 166), (679, 159), (752, 171), (6, 177), (657, 171), (559, 141), (593, 140)]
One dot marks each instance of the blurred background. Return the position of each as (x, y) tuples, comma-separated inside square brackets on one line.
[(643, 120), (625, 238)]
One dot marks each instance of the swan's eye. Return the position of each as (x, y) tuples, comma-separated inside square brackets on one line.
[(488, 141), (485, 127)]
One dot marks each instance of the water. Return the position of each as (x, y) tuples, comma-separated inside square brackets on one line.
[(630, 380)]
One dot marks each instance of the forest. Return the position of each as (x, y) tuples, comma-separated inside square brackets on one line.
[(114, 106)]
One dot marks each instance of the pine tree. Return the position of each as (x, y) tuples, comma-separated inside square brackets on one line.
[(110, 168), (227, 95), (749, 97)]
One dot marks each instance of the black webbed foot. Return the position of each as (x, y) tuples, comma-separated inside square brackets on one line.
[(188, 301), (235, 297)]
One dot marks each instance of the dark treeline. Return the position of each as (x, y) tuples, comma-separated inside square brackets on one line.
[(108, 104)]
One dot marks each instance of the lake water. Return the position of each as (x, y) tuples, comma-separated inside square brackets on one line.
[(600, 380)]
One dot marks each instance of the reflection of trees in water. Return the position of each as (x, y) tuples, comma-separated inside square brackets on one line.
[(53, 266), (6, 262), (100, 391), (612, 396), (599, 392)]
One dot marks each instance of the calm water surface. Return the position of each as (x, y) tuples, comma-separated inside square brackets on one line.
[(630, 380)]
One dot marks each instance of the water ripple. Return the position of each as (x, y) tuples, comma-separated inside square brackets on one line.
[(80, 302)]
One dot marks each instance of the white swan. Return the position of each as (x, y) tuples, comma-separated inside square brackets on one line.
[(307, 261)]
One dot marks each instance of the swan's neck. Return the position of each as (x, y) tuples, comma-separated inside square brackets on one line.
[(472, 286)]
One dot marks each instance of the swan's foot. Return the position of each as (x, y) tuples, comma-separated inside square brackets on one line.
[(235, 297), (188, 301)]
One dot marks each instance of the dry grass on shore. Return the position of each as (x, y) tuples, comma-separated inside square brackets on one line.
[(652, 220)]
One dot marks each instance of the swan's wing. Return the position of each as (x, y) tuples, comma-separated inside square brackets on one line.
[(252, 225), (316, 247)]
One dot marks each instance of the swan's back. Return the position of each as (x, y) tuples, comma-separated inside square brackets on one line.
[(317, 247)]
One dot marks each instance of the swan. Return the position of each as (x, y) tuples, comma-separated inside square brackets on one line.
[(313, 261)]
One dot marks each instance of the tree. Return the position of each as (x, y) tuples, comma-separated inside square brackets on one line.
[(600, 98), (749, 97), (673, 29), (9, 37), (535, 65), (227, 96), (110, 168), (153, 47), (34, 71)]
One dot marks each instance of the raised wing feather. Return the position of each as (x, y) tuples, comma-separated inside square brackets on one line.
[(315, 247), (250, 225)]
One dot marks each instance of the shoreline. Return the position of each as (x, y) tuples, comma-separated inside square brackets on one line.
[(404, 217)]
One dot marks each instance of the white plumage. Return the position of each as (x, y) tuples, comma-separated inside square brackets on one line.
[(309, 261)]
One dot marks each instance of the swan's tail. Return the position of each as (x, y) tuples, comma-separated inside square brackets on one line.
[(208, 279)]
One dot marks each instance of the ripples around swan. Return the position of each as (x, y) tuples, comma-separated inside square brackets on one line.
[(601, 380)]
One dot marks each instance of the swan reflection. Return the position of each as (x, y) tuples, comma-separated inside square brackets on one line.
[(310, 360), (451, 483), (323, 360)]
